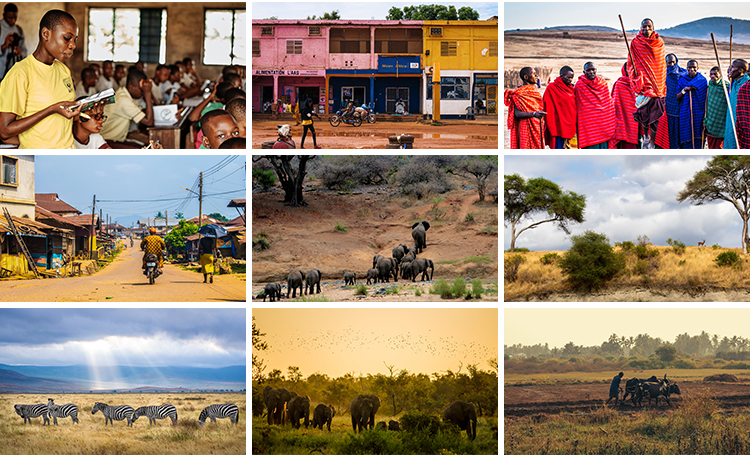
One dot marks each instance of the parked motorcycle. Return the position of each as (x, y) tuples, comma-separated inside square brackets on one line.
[(354, 119)]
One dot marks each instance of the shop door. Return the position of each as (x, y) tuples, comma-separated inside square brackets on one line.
[(308, 92), (355, 94), (392, 95), (267, 94), (492, 99)]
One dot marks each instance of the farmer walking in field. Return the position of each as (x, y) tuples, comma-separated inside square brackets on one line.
[(525, 112), (648, 68), (716, 110), (623, 97), (614, 388), (692, 106), (596, 111), (559, 102)]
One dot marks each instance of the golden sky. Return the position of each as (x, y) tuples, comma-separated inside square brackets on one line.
[(337, 341)]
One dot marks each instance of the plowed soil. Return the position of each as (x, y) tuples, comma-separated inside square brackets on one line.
[(526, 400)]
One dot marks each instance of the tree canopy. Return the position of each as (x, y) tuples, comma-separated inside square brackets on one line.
[(725, 178), (432, 13), (290, 176), (525, 198), (332, 15)]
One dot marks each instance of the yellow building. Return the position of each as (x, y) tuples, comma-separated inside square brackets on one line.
[(466, 52)]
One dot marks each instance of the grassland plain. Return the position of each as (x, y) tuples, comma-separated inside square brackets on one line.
[(276, 439), (91, 436)]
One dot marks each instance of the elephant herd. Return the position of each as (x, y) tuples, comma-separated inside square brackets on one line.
[(403, 261), (283, 406)]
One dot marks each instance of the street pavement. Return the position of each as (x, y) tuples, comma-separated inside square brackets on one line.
[(123, 281)]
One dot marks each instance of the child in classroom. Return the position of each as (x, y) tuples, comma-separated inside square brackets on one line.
[(218, 126)]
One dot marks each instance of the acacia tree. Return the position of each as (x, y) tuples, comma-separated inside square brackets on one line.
[(525, 198), (291, 177), (480, 168), (726, 178)]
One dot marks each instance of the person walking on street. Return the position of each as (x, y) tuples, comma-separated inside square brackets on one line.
[(614, 388), (207, 253), (307, 113)]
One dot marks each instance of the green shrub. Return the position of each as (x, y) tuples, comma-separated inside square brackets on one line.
[(640, 268), (264, 178), (549, 258), (677, 246), (643, 252), (643, 240), (370, 441), (590, 262), (469, 217), (442, 288), (682, 262), (418, 291), (519, 250), (392, 290), (728, 258), (627, 245), (459, 287), (361, 289), (512, 264), (340, 227), (477, 288), (417, 420), (715, 246)]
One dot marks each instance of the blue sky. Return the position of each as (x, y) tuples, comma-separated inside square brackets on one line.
[(627, 196), (126, 337), (354, 10), (157, 179), (537, 15)]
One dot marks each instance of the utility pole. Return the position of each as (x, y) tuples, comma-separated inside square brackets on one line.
[(92, 239), (200, 201), (166, 221)]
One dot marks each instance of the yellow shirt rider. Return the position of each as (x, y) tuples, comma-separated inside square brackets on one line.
[(153, 244)]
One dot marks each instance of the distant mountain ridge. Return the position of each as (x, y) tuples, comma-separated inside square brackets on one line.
[(80, 377)]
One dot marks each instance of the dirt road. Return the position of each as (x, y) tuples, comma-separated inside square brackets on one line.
[(452, 135), (123, 280)]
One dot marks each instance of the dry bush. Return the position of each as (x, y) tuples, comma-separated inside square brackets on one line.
[(513, 78)]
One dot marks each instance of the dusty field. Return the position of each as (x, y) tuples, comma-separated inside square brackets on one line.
[(581, 398), (643, 295), (606, 49), (376, 219), (454, 134)]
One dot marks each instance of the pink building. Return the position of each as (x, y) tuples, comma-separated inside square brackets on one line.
[(335, 61)]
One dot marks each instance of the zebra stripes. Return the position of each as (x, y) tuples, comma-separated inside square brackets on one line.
[(27, 411), (156, 412), (114, 413), (63, 410), (220, 411)]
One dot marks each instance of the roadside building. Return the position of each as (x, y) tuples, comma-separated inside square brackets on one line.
[(63, 243), (52, 202), (239, 204), (86, 233), (17, 185), (467, 55)]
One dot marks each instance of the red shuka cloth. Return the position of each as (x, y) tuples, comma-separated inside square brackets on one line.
[(650, 64), (624, 100), (596, 112), (560, 104), (524, 133), (662, 132)]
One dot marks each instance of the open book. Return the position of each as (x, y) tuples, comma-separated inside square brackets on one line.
[(108, 96)]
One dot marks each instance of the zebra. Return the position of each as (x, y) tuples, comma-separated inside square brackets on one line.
[(63, 410), (220, 411), (156, 412), (114, 413), (27, 411)]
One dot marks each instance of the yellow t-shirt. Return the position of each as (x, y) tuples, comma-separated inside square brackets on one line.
[(119, 114), (31, 86)]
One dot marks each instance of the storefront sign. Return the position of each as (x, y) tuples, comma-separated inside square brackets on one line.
[(288, 72), (399, 64)]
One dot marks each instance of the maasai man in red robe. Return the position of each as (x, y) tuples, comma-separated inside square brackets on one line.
[(560, 106), (649, 79), (525, 112), (596, 112), (623, 97)]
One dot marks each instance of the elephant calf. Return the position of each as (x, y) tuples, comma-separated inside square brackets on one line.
[(350, 278), (272, 291), (293, 282), (406, 270), (311, 280), (372, 275), (323, 415)]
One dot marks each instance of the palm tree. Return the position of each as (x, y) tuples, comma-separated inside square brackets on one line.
[(179, 215), (159, 215)]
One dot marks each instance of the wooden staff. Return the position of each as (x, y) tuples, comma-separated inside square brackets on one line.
[(726, 94), (625, 36), (731, 32), (692, 127)]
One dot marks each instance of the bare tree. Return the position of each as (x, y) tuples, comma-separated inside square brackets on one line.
[(291, 177), (479, 168)]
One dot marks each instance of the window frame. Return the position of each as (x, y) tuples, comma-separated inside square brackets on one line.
[(492, 47), (296, 45), (232, 35), (256, 42), (264, 30), (448, 48), (450, 81), (2, 170), (114, 19), (314, 34)]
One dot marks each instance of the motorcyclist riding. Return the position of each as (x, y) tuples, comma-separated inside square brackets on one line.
[(349, 111), (153, 244)]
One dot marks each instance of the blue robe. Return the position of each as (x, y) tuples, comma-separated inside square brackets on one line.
[(699, 109), (672, 104)]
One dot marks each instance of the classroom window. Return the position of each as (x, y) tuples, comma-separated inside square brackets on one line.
[(9, 171), (349, 40), (293, 47), (448, 48), (256, 48), (225, 37), (452, 88), (127, 35), (493, 48)]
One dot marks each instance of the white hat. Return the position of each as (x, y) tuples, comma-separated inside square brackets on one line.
[(284, 130)]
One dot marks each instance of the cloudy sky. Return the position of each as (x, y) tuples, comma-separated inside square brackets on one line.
[(377, 9), (127, 337), (628, 196), (664, 14), (142, 185), (338, 341)]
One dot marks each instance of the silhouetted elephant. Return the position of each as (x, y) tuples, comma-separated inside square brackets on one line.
[(421, 265), (350, 278), (386, 268), (272, 291), (419, 234), (311, 280), (464, 415), (394, 426), (275, 401), (372, 274), (293, 282), (323, 415), (381, 426), (398, 253), (363, 410), (296, 409)]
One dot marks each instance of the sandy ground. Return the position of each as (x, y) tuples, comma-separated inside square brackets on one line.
[(606, 49), (452, 135), (643, 295), (376, 219), (123, 280)]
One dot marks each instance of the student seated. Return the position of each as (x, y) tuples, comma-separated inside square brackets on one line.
[(126, 109), (236, 108), (218, 127), (107, 79), (171, 88), (160, 81), (87, 86), (37, 93), (86, 127), (120, 76), (237, 143), (234, 93)]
